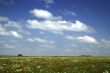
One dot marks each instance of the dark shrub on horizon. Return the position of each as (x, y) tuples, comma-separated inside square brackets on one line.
[(20, 55)]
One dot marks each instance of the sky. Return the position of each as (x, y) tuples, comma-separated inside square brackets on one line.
[(55, 27)]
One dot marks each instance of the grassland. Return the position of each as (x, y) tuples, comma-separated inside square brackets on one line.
[(54, 64)]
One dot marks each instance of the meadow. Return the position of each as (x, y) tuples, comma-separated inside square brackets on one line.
[(54, 64)]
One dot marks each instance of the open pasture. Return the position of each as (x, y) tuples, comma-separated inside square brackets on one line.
[(53, 64)]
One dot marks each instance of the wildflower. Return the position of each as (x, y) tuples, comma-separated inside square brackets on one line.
[(4, 64), (1, 67), (41, 70), (106, 71), (19, 70), (38, 66)]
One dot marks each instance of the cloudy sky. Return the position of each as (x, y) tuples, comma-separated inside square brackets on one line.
[(55, 27)]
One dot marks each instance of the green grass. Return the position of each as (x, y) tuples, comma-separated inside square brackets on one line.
[(54, 64)]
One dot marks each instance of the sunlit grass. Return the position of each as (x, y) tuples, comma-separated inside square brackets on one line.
[(55, 64)]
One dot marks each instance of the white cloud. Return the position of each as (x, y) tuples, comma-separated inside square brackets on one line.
[(67, 12), (59, 26), (1, 28), (4, 19), (13, 24), (57, 32), (39, 40), (104, 43), (74, 45), (6, 2), (68, 50), (49, 1), (79, 26), (44, 14), (31, 40), (87, 39), (54, 24), (3, 31), (46, 46), (16, 34), (41, 32), (70, 37), (9, 46), (16, 26), (7, 28)]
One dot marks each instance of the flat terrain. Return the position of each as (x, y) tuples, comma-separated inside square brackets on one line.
[(50, 64)]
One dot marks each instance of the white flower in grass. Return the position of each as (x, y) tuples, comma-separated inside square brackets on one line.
[(38, 66), (106, 71)]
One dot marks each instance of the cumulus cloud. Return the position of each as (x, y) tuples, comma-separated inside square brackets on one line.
[(16, 34), (4, 19), (44, 14), (5, 32), (87, 39), (16, 26), (54, 24), (59, 26), (8, 26), (13, 24), (40, 40)]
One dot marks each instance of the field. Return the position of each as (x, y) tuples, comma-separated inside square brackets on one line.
[(54, 64)]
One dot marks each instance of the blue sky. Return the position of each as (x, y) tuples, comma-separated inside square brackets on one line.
[(54, 27)]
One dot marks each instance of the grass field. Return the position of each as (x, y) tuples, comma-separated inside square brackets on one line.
[(54, 64)]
